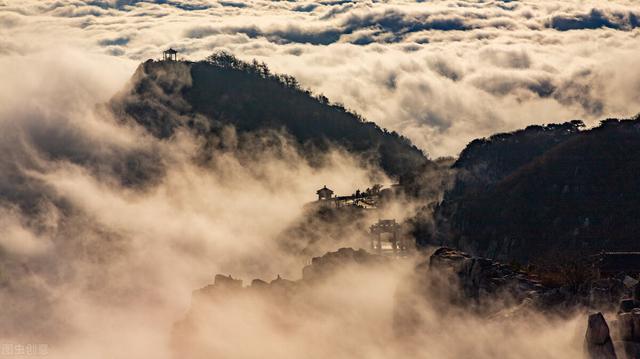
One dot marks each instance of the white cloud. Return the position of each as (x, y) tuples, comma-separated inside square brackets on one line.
[(337, 47)]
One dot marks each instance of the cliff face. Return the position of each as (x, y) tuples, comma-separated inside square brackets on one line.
[(576, 196), (208, 96)]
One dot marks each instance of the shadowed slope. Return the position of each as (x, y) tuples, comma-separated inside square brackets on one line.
[(209, 95), (579, 196)]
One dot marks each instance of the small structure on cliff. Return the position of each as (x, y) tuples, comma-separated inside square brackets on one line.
[(324, 194), (367, 199), (170, 55)]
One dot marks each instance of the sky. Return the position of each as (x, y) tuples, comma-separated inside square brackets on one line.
[(439, 72)]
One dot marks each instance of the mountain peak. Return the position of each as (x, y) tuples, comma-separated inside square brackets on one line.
[(222, 90)]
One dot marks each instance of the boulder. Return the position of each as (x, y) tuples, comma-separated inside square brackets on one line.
[(598, 343)]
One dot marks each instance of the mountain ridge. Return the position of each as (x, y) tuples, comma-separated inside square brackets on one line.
[(577, 196), (222, 90)]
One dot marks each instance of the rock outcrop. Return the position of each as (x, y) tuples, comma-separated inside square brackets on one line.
[(598, 343), (481, 279), (453, 282), (322, 267), (282, 295), (624, 335)]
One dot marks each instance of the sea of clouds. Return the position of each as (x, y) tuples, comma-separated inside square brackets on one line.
[(105, 230), (439, 72)]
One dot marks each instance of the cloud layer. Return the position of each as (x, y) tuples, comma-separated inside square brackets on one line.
[(105, 231), (439, 72), (104, 226)]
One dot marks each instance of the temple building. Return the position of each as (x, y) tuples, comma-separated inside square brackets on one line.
[(170, 55), (324, 194)]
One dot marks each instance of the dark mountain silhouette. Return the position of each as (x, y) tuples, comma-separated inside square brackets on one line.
[(545, 190), (487, 161), (220, 91), (516, 196)]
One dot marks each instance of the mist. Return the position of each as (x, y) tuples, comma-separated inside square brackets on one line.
[(356, 312), (441, 72), (106, 231)]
